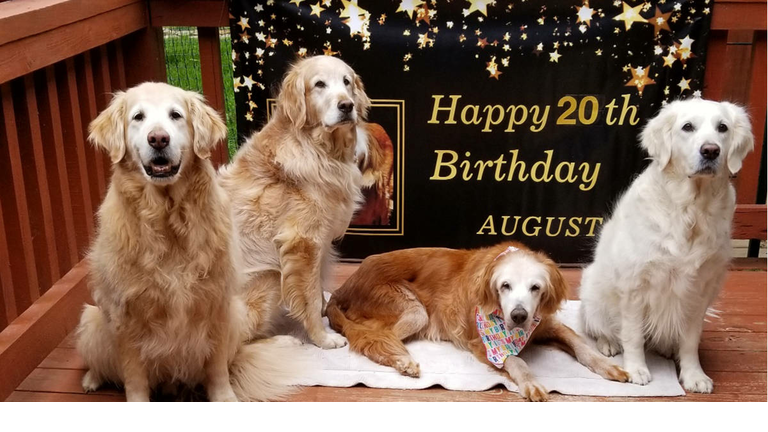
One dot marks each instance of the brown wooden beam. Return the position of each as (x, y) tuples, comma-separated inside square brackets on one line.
[(23, 56), (213, 82), (739, 15), (749, 221), (37, 331), (193, 13)]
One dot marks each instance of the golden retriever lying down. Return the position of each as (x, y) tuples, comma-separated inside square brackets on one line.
[(164, 263), (446, 294), (294, 186)]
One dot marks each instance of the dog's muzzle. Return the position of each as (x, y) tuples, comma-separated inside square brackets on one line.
[(161, 167)]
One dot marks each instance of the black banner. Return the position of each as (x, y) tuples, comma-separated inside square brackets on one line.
[(499, 120)]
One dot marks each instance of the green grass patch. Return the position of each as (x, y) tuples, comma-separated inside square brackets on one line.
[(182, 62)]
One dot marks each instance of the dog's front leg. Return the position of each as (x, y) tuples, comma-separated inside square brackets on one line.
[(526, 383), (135, 375), (517, 370), (633, 339), (217, 383), (584, 354), (692, 376), (301, 266)]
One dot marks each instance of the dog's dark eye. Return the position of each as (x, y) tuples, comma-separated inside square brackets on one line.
[(346, 81), (139, 116), (320, 84), (505, 285), (535, 288), (722, 128), (175, 115), (688, 127)]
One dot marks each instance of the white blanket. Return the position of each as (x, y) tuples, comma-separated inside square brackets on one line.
[(443, 364)]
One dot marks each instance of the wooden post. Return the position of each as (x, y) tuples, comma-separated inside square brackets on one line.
[(213, 82)]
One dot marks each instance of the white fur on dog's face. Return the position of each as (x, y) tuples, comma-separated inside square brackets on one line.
[(323, 91), (162, 112), (520, 280), (157, 111), (678, 134)]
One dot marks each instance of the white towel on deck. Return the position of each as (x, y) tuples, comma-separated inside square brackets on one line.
[(443, 364)]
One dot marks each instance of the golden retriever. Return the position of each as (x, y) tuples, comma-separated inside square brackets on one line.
[(376, 162), (294, 186), (663, 255), (436, 294), (164, 273)]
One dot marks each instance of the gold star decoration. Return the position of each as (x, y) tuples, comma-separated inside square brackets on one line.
[(351, 9), (669, 60), (684, 85), (328, 50), (424, 40), (243, 23), (584, 14), (296, 2), (237, 84), (659, 21), (270, 42), (630, 15), (409, 7), (316, 9), (482, 42), (640, 78), (248, 81), (479, 5), (422, 14), (493, 68), (554, 56), (244, 37), (599, 52), (382, 19)]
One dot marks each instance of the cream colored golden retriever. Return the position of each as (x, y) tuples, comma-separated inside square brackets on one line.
[(294, 186), (164, 265), (440, 294), (663, 256)]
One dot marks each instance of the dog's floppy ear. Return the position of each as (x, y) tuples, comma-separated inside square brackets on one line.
[(742, 141), (107, 130), (557, 291), (362, 102), (656, 136), (291, 100), (208, 127)]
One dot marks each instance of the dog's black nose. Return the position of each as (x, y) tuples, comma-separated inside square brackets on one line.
[(518, 315), (710, 151), (158, 139), (346, 106)]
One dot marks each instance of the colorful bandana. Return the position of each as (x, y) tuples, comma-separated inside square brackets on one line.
[(500, 343)]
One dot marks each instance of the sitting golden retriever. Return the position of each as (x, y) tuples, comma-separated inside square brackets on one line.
[(164, 273), (294, 186), (447, 294)]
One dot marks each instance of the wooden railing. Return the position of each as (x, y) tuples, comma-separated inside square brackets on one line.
[(61, 59)]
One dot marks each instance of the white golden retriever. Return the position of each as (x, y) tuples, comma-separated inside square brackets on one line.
[(164, 264), (662, 257), (294, 186)]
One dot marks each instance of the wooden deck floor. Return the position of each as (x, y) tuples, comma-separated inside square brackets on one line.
[(733, 354)]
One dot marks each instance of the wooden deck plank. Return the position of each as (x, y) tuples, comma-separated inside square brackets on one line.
[(733, 353)]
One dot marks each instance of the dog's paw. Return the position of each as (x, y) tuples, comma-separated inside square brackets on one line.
[(331, 341), (615, 373), (696, 381), (91, 382), (639, 374), (533, 392), (608, 347), (408, 367)]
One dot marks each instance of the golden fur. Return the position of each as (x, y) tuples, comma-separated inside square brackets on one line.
[(294, 186), (431, 293), (164, 262)]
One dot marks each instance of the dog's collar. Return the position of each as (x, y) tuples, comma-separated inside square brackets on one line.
[(506, 251), (499, 342)]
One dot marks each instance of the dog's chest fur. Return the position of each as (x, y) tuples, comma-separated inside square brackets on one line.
[(164, 284)]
